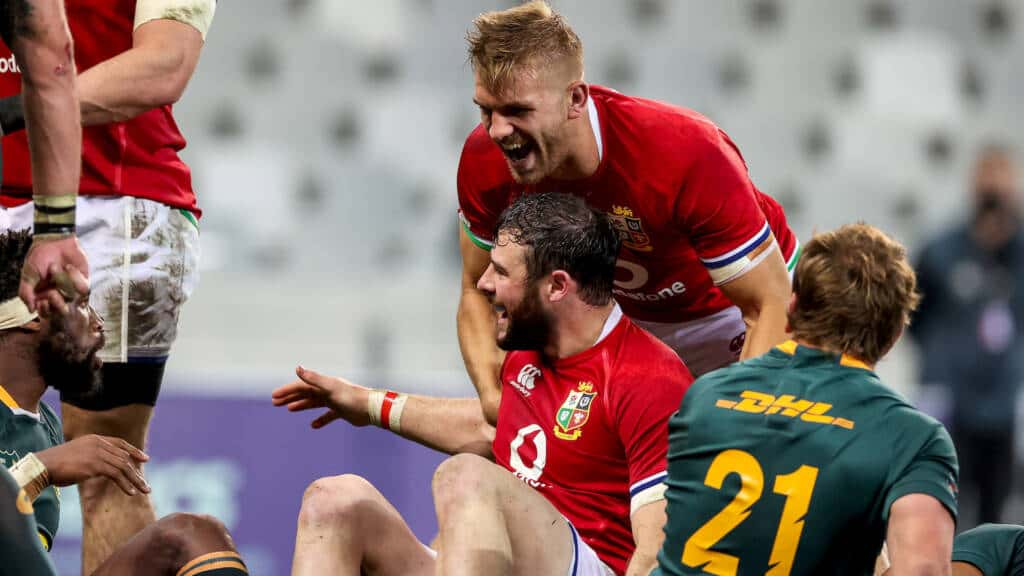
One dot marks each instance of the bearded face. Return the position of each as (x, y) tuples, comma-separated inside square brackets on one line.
[(68, 348)]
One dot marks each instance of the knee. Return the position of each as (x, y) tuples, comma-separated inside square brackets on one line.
[(336, 500), (461, 478), (182, 536)]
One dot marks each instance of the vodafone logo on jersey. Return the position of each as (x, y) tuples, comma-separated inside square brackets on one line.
[(524, 381), (631, 277), (9, 65)]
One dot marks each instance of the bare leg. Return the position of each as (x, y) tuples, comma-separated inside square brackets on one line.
[(492, 523), (346, 527), (167, 546), (109, 516)]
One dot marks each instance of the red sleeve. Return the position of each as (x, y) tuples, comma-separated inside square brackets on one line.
[(481, 197), (643, 405), (720, 210)]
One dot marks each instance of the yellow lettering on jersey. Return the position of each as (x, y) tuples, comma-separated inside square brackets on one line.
[(754, 402), (786, 405), (817, 414), (789, 405)]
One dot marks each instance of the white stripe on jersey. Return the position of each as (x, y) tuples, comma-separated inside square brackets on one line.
[(744, 248)]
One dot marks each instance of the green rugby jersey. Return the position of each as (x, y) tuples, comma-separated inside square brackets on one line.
[(21, 552), (788, 464), (22, 432), (995, 549)]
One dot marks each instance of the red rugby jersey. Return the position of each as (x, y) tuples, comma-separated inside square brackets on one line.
[(138, 157), (590, 432), (676, 188)]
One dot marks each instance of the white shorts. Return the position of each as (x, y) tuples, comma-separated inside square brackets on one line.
[(705, 344), (143, 265), (584, 560)]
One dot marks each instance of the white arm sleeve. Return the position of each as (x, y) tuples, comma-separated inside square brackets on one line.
[(196, 13)]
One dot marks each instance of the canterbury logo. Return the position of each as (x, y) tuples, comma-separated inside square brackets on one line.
[(524, 382), (786, 405)]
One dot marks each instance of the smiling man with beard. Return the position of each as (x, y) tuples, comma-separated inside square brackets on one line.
[(58, 348), (579, 451)]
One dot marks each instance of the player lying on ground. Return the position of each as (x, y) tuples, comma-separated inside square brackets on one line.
[(705, 254), (802, 461), (59, 349), (575, 486)]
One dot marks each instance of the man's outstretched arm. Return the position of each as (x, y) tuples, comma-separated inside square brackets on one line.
[(451, 425)]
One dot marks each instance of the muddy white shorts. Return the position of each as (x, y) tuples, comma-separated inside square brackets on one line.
[(143, 265)]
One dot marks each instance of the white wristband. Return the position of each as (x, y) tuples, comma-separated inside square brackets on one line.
[(31, 475), (385, 407)]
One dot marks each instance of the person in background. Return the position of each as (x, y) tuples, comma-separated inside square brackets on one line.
[(969, 326)]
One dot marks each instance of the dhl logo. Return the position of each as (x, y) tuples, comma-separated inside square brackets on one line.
[(785, 405)]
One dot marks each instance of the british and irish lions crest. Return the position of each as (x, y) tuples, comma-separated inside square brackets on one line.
[(630, 229), (575, 412)]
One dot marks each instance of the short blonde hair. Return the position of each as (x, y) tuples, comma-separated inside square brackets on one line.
[(505, 43), (855, 291)]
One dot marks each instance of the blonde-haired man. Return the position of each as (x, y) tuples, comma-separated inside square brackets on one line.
[(802, 461), (704, 260)]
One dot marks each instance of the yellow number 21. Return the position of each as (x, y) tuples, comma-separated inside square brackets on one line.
[(796, 487)]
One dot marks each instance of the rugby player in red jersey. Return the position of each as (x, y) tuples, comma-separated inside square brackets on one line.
[(577, 482), (705, 254), (136, 218)]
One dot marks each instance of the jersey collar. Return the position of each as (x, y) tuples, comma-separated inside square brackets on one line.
[(10, 402), (610, 323), (595, 125), (789, 348)]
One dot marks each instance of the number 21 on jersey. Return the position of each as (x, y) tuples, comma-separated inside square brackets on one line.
[(796, 487)]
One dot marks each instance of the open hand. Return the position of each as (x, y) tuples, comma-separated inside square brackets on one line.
[(342, 398), (93, 455)]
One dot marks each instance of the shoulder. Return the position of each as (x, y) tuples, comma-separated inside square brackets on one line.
[(661, 123), (991, 531), (990, 547)]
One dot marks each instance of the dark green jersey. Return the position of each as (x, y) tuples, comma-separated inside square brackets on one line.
[(22, 432), (788, 464), (995, 549), (21, 552)]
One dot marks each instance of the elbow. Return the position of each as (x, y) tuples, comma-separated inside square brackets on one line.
[(173, 71), (489, 404), (47, 61), (170, 89)]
